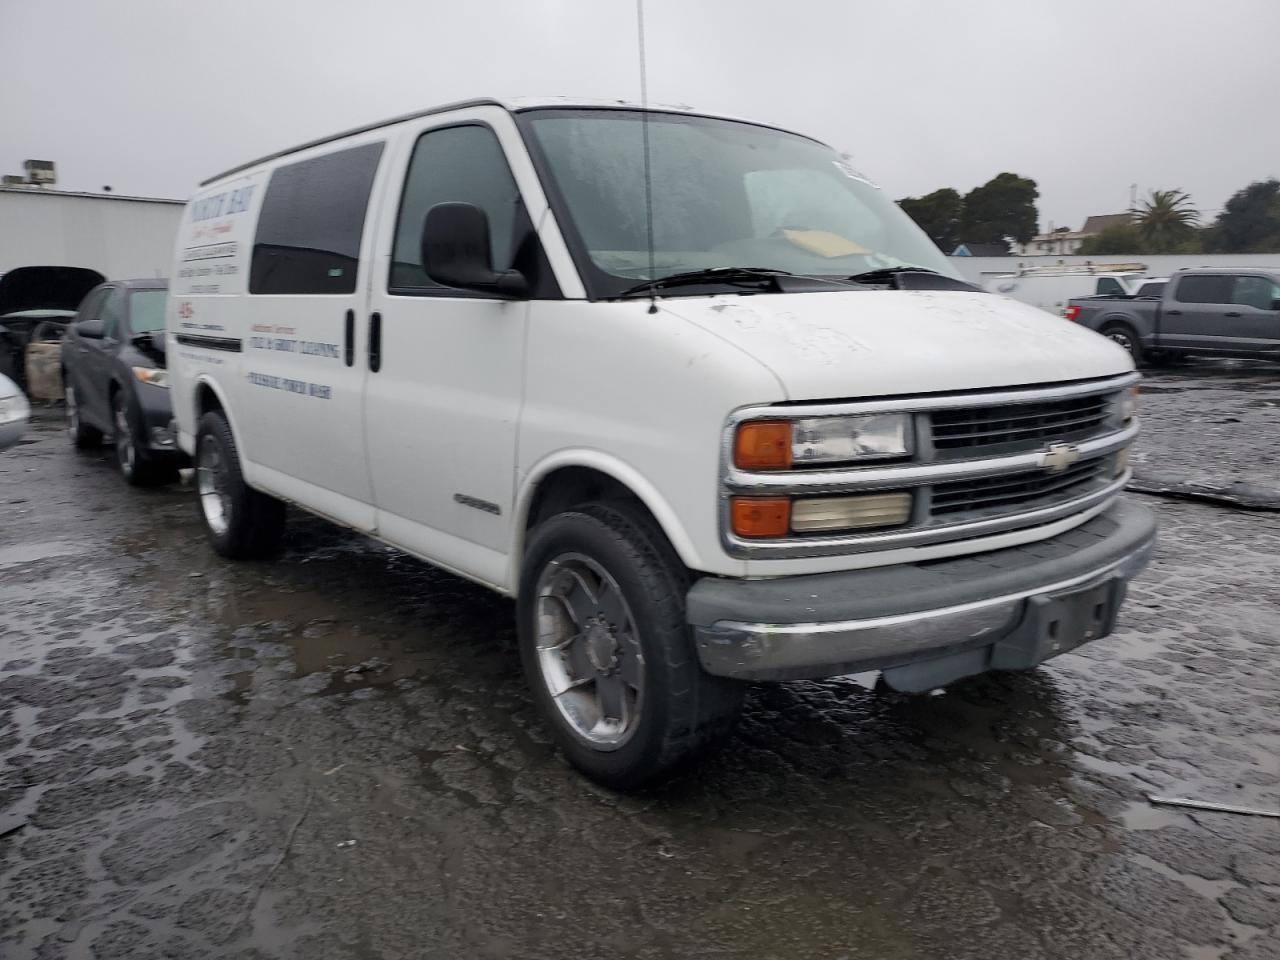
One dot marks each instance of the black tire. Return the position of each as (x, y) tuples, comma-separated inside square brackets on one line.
[(137, 465), (83, 436), (253, 521), (1126, 337), (684, 710)]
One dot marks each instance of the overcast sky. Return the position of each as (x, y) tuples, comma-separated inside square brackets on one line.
[(1083, 96)]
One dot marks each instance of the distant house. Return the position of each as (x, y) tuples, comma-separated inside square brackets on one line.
[(1064, 242), (981, 250)]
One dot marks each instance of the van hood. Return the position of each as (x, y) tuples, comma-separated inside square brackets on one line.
[(843, 345), (46, 288)]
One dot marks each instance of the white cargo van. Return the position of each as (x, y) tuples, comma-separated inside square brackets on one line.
[(743, 425), (1052, 288)]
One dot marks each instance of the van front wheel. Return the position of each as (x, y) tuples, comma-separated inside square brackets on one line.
[(241, 523), (607, 652)]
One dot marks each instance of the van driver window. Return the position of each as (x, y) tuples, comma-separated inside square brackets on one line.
[(454, 165), (312, 218)]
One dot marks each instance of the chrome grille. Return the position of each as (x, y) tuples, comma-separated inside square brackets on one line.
[(970, 430), (983, 464), (1014, 491)]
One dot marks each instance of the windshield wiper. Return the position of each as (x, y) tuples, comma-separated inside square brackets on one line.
[(913, 278), (731, 275), (888, 273)]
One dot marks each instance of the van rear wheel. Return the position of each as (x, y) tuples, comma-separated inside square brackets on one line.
[(240, 522), (607, 652)]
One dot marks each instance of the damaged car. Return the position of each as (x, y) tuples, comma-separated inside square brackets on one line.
[(36, 304), (113, 372)]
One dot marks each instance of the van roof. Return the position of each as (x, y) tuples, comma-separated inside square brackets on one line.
[(514, 105)]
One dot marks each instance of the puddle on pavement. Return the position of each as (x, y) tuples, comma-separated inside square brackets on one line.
[(33, 552)]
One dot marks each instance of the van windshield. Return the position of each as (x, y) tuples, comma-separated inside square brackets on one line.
[(725, 194)]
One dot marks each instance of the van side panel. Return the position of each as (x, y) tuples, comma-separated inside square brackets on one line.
[(207, 283)]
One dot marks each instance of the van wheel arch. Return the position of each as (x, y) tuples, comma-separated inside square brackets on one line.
[(207, 401), (567, 488)]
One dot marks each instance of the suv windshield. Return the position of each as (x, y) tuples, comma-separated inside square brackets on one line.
[(146, 310), (725, 194)]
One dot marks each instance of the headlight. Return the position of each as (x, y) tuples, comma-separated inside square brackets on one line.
[(14, 408), (157, 378), (840, 439), (782, 444)]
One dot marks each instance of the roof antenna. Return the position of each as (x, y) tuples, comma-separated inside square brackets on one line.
[(648, 180)]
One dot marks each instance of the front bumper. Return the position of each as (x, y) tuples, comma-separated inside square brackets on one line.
[(154, 412), (927, 624)]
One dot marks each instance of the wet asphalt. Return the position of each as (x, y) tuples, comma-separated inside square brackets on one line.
[(333, 757)]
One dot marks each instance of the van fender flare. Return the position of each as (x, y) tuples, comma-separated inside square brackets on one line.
[(205, 380), (619, 470)]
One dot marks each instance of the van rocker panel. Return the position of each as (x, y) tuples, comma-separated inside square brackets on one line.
[(926, 624)]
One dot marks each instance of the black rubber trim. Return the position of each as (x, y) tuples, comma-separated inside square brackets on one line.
[(936, 584), (229, 344)]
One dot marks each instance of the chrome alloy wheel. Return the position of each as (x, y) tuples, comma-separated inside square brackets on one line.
[(212, 484), (589, 651), (126, 455)]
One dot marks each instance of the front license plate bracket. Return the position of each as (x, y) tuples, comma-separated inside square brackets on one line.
[(1059, 622)]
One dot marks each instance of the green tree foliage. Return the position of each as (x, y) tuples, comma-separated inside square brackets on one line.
[(1250, 221), (939, 215), (1003, 207), (1166, 221)]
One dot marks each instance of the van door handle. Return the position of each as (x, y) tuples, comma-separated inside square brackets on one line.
[(1173, 313), (349, 339), (1233, 313), (375, 342)]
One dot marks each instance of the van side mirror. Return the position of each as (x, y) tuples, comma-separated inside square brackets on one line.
[(456, 252), (91, 329), (1275, 304)]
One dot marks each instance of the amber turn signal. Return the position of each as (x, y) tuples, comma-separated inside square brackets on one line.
[(763, 445), (757, 517)]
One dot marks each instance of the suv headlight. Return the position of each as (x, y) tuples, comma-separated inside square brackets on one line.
[(157, 378), (782, 444)]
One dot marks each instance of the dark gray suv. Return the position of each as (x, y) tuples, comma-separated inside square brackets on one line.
[(113, 370)]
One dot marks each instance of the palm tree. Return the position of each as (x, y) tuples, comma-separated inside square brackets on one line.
[(1165, 219)]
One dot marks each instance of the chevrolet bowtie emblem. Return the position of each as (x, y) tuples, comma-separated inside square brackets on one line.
[(1059, 456)]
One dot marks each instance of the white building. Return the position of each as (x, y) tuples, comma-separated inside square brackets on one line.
[(120, 237), (1064, 242)]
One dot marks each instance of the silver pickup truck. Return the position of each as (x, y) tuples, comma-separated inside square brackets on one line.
[(1217, 311)]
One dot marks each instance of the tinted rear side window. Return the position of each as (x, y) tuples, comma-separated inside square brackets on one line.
[(1205, 289), (1151, 290), (1257, 292), (312, 219)]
